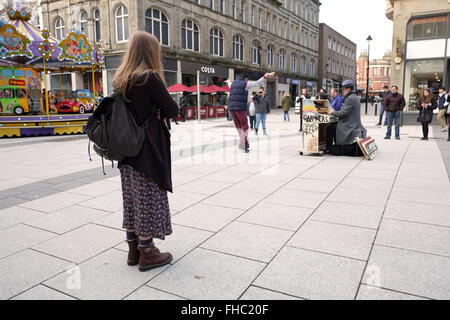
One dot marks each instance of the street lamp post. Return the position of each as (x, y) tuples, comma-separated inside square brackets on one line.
[(369, 38)]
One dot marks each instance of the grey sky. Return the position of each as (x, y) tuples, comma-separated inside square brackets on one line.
[(356, 19)]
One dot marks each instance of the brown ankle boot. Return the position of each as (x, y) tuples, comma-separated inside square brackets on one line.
[(133, 252), (151, 257)]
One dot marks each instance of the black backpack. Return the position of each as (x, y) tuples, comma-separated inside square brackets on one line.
[(114, 131)]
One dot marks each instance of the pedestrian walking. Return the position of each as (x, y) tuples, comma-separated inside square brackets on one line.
[(251, 112), (304, 96), (384, 94), (286, 103), (147, 177), (394, 104), (262, 106), (443, 102), (183, 105), (238, 105), (426, 104)]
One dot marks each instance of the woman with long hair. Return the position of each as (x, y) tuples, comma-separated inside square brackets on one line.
[(146, 178), (426, 104)]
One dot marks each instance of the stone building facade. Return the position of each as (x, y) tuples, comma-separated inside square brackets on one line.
[(420, 47), (221, 38), (337, 58), (379, 72)]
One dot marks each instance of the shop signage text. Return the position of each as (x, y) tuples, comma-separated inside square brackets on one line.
[(208, 70)]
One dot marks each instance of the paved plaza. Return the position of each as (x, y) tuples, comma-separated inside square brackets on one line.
[(270, 224)]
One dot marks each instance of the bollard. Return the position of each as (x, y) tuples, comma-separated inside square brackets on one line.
[(376, 108)]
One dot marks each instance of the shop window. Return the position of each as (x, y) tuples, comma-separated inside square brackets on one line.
[(157, 24), (420, 75), (426, 28), (190, 36)]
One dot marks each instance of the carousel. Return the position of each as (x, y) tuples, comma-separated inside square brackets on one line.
[(27, 56)]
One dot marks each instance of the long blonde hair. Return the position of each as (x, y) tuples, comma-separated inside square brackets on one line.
[(142, 57)]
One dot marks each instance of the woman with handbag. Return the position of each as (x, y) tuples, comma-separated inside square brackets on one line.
[(426, 104), (147, 177)]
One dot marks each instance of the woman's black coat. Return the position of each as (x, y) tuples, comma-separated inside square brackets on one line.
[(426, 114)]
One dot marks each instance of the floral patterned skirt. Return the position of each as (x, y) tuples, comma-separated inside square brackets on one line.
[(145, 205)]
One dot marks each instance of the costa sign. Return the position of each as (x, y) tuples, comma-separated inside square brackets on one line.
[(208, 70)]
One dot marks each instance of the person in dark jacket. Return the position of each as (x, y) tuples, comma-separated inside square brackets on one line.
[(238, 105), (262, 107), (384, 94), (147, 177), (442, 103), (183, 105), (394, 104), (426, 104)]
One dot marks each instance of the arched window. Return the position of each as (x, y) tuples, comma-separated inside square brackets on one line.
[(190, 36), (216, 42), (97, 34), (312, 67), (157, 24), (83, 22), (293, 62), (121, 24), (238, 48), (256, 52), (282, 60), (270, 59), (60, 29), (303, 65)]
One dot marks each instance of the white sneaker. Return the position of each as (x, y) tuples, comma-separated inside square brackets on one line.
[(443, 129)]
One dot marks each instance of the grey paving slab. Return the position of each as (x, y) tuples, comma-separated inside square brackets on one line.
[(258, 185), (147, 293), (55, 202), (422, 195), (347, 241), (367, 185), (83, 243), (255, 293), (415, 273), (418, 212), (414, 236), (297, 198), (207, 217), (207, 187), (357, 197), (373, 174), (208, 275), (67, 219), (20, 237), (26, 269), (376, 293), (311, 185), (110, 202), (181, 200), (180, 177), (97, 188), (113, 220), (10, 202), (349, 214), (249, 241), (108, 271), (16, 215), (276, 216), (312, 275), (179, 243), (228, 176), (235, 199), (420, 183), (41, 292), (322, 173)]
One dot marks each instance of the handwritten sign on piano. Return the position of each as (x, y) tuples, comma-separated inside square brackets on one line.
[(311, 120)]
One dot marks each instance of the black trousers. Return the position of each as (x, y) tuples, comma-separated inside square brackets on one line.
[(349, 150), (183, 113), (331, 135), (425, 129)]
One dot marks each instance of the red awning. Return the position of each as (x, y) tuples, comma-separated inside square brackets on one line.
[(177, 88), (215, 88), (203, 89)]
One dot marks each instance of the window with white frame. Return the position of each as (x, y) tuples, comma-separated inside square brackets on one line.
[(303, 65), (312, 67), (270, 56), (121, 24), (156, 23), (60, 32), (222, 6), (83, 22), (293, 62), (252, 16), (282, 59), (211, 4), (190, 35), (238, 48), (97, 33), (242, 17), (256, 56), (216, 42), (233, 9)]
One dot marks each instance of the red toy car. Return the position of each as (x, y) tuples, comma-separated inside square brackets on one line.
[(69, 106)]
